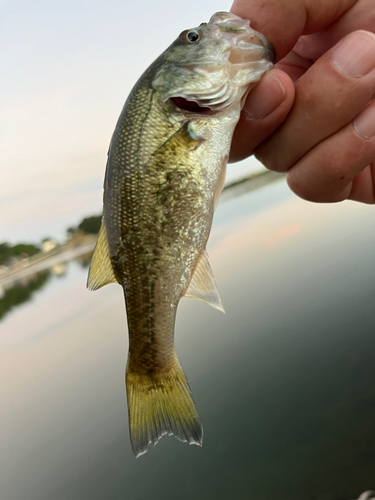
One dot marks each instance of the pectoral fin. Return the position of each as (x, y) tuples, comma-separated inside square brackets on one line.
[(178, 145), (202, 285), (101, 271)]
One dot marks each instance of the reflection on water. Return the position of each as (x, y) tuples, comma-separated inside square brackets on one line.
[(284, 381), (21, 291)]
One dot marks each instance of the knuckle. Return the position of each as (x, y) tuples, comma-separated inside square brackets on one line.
[(300, 188), (270, 161), (315, 189)]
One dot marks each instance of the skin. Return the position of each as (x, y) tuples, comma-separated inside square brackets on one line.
[(309, 116)]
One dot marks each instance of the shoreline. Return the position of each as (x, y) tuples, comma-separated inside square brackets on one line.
[(67, 252), (62, 254)]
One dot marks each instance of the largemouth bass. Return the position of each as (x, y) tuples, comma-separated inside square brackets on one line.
[(165, 172)]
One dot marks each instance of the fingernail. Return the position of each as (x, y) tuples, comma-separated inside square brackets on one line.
[(355, 55), (364, 124), (264, 99)]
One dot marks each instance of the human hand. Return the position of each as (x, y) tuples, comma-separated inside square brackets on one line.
[(367, 495), (325, 79)]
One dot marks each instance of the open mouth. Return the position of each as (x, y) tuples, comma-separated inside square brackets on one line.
[(191, 106)]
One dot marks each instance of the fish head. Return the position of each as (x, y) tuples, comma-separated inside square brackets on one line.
[(211, 68)]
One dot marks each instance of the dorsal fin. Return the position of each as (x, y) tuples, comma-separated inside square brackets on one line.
[(101, 271), (202, 285)]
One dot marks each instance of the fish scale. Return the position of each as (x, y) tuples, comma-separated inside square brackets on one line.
[(165, 172)]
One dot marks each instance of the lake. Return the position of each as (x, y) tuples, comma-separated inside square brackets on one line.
[(284, 382)]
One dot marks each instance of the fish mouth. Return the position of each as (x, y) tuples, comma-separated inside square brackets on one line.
[(246, 44), (191, 107)]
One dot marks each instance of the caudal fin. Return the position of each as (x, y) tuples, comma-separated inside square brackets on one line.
[(161, 404)]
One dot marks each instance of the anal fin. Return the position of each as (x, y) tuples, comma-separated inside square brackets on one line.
[(101, 270), (202, 285)]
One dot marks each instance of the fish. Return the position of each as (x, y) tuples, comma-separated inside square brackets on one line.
[(164, 176)]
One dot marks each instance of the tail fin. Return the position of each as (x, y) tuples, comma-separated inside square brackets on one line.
[(161, 404)]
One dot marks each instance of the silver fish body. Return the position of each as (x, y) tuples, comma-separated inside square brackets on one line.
[(165, 172)]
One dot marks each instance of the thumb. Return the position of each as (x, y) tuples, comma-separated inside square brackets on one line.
[(266, 107)]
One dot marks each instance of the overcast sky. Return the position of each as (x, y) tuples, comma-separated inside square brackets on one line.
[(66, 69)]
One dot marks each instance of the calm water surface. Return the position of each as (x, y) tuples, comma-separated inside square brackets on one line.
[(284, 381)]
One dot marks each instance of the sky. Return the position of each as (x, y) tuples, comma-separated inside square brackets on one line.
[(66, 69)]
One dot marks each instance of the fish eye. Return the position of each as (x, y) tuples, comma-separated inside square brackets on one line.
[(190, 36)]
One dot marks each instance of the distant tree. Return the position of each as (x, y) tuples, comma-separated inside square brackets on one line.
[(70, 231), (4, 252), (25, 248), (91, 225), (7, 251)]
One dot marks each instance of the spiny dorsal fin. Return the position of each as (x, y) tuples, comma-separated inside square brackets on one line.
[(202, 285), (101, 271)]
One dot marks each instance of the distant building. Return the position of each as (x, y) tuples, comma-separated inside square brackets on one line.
[(48, 245), (59, 269)]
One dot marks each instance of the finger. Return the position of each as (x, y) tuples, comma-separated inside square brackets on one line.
[(294, 65), (284, 21), (361, 16), (266, 107), (363, 188), (328, 97), (340, 159)]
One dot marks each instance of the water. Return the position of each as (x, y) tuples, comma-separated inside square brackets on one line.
[(284, 381)]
